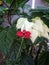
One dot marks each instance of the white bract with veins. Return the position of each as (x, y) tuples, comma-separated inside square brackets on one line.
[(24, 24), (36, 27), (40, 27)]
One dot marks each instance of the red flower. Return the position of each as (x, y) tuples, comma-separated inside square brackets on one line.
[(19, 34), (24, 34)]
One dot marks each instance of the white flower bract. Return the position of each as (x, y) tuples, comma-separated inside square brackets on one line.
[(36, 27), (24, 24)]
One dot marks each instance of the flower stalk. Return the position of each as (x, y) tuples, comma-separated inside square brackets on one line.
[(19, 49)]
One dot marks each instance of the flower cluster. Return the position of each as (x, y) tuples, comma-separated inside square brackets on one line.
[(23, 34), (36, 28)]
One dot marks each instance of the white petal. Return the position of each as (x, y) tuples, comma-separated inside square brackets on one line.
[(38, 24), (46, 28), (34, 35), (41, 27), (21, 22), (28, 25)]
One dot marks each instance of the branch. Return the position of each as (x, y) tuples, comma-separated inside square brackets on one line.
[(12, 3), (5, 4)]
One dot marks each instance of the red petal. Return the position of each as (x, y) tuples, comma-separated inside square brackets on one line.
[(19, 34), (26, 34)]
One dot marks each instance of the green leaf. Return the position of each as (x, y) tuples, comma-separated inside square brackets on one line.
[(26, 60), (16, 4), (39, 40), (3, 10), (8, 1), (6, 39), (43, 58), (8, 63), (1, 20), (47, 1), (1, 28)]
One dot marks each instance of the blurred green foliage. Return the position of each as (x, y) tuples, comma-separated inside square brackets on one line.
[(10, 43)]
